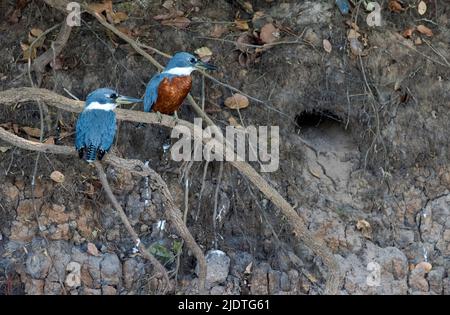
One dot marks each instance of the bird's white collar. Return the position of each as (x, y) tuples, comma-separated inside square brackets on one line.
[(97, 105), (180, 71)]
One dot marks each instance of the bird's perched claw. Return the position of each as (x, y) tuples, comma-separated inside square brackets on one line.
[(158, 114), (175, 117)]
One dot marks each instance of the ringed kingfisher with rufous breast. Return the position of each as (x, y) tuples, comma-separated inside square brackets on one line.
[(167, 90), (96, 125)]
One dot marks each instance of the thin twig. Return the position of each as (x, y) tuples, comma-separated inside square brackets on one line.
[(216, 201), (123, 217)]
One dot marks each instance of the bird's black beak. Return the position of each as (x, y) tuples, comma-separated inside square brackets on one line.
[(205, 66), (127, 100)]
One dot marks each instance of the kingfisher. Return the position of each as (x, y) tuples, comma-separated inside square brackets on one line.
[(166, 90), (96, 125)]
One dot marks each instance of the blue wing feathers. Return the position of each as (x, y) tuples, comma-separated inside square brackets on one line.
[(95, 128)]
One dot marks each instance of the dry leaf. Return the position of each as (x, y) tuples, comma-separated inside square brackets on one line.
[(218, 31), (418, 41), (32, 132), (269, 33), (395, 6), (353, 34), (105, 6), (119, 17), (237, 101), (50, 140), (179, 22), (426, 266), (57, 177), (315, 172), (242, 25), (36, 32), (408, 32), (92, 249), (424, 30), (327, 45), (356, 47), (203, 52), (365, 228), (233, 122), (422, 8), (27, 52)]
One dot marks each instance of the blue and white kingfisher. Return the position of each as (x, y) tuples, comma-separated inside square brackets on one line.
[(96, 125), (167, 90)]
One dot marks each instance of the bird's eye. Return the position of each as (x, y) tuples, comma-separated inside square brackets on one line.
[(113, 96), (192, 60)]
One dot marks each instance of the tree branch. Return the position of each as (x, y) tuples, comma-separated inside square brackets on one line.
[(126, 222)]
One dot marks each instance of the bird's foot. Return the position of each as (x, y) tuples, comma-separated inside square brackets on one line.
[(175, 117), (158, 114)]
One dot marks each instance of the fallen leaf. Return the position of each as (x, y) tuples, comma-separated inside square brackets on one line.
[(119, 17), (356, 47), (315, 172), (203, 52), (242, 25), (50, 140), (125, 30), (233, 122), (269, 33), (35, 36), (418, 41), (327, 45), (365, 228), (353, 34), (105, 6), (57, 177), (36, 32), (237, 101), (4, 149), (395, 6), (32, 132), (424, 30), (92, 249), (243, 41), (422, 8), (426, 266), (408, 32), (179, 22), (218, 31), (27, 52)]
